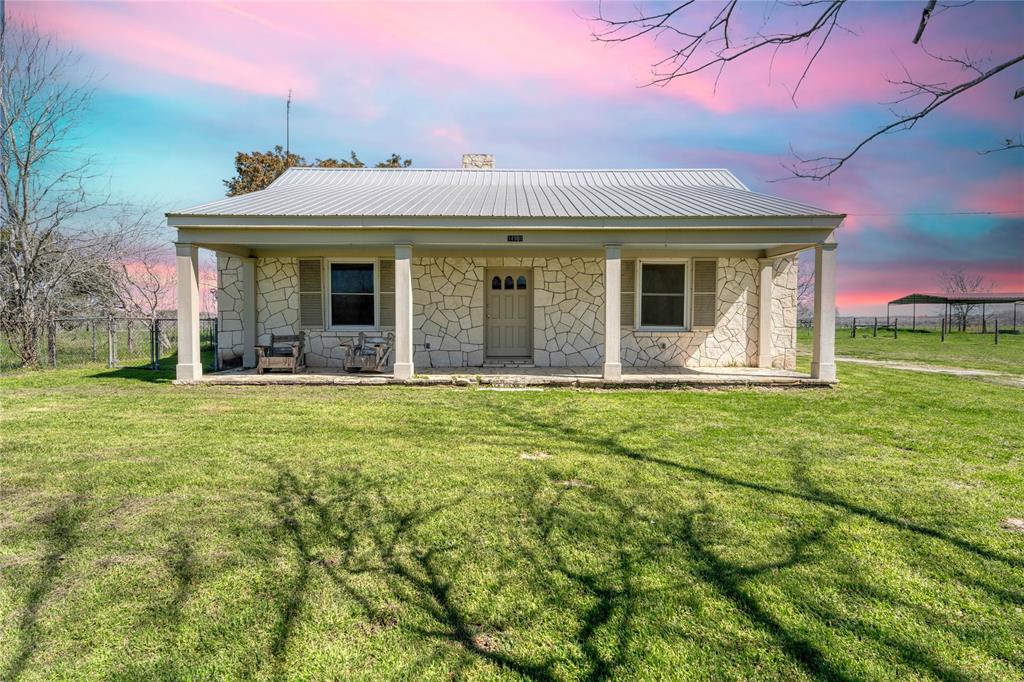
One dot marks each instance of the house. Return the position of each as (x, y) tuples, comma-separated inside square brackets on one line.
[(473, 266)]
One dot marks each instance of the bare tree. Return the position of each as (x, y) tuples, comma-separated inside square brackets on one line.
[(960, 281), (708, 43), (51, 260)]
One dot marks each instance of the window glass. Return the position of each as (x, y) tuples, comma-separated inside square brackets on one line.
[(352, 296), (521, 282), (496, 283), (509, 284), (662, 295)]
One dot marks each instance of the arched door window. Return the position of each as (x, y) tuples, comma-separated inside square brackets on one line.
[(521, 282), (509, 284), (496, 283)]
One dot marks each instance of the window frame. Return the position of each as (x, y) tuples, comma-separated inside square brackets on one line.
[(328, 315), (638, 295)]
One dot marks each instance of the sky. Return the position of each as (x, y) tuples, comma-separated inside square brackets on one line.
[(181, 87)]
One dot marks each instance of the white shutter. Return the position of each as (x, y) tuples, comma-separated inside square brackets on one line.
[(705, 286), (311, 293), (387, 293), (628, 299)]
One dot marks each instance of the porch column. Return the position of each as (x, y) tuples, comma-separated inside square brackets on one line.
[(189, 367), (403, 311), (612, 312), (248, 312), (823, 359), (764, 324)]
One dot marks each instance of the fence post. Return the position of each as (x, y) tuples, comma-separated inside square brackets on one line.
[(942, 338), (110, 342), (51, 343), (984, 322), (92, 323), (997, 331), (895, 327), (156, 333), (874, 329)]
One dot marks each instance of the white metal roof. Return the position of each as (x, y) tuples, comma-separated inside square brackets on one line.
[(506, 193)]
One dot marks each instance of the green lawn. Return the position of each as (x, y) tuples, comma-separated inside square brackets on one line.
[(977, 351), (148, 530)]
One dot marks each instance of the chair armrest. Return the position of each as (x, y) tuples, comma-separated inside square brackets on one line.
[(261, 351)]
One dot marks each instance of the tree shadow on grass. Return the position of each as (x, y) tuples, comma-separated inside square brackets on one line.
[(728, 578), (62, 534), (353, 532), (805, 489)]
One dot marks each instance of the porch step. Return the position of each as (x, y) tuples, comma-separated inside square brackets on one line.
[(510, 363)]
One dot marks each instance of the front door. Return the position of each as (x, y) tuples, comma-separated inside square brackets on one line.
[(509, 313)]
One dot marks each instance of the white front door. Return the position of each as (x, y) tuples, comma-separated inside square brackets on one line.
[(509, 313)]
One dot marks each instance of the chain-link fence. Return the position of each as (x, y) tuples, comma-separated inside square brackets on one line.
[(115, 342)]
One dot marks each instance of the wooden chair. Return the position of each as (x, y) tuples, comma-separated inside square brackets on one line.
[(370, 353), (284, 352)]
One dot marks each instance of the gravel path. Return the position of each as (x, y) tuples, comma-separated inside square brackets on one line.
[(983, 374)]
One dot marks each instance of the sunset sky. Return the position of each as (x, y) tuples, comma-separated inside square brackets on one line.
[(182, 86)]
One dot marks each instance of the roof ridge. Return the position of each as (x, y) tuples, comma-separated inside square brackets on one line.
[(518, 170)]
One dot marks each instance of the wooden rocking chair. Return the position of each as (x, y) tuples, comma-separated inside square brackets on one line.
[(284, 352), (370, 353)]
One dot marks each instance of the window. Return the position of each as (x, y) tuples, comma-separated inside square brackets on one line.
[(496, 283), (521, 282), (353, 300), (508, 282), (663, 295)]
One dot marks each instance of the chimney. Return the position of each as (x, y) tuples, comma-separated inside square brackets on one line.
[(478, 160)]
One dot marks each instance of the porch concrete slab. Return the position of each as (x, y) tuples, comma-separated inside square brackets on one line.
[(570, 377)]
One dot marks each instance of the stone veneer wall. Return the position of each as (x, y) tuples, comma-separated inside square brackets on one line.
[(784, 310), (229, 310), (568, 312), (448, 314)]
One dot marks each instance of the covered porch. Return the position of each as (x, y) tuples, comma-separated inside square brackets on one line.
[(608, 334)]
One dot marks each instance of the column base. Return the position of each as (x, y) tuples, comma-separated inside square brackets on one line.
[(188, 372), (613, 371), (403, 370), (823, 370), (248, 358)]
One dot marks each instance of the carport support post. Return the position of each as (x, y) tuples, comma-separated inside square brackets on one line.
[(612, 312), (823, 359), (403, 311), (248, 312), (189, 367), (764, 311)]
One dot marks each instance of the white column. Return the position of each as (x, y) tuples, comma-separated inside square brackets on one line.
[(764, 325), (612, 312), (248, 312), (189, 367), (403, 311), (823, 359)]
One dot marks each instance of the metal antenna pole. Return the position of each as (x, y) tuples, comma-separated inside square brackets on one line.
[(288, 127)]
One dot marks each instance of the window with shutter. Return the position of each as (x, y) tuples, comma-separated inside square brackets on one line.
[(628, 299), (311, 293), (352, 295), (705, 287)]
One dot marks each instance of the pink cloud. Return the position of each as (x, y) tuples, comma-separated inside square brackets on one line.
[(154, 36), (1004, 194)]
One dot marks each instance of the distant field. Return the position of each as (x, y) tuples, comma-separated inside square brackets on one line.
[(976, 351)]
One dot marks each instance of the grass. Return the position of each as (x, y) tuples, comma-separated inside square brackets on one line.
[(153, 531), (972, 350)]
